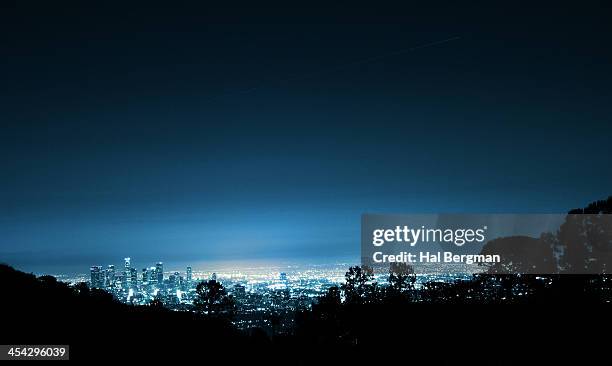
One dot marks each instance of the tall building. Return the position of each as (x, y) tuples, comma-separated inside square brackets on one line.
[(214, 276), (133, 278), (127, 273), (152, 275), (188, 277), (110, 275), (120, 279), (178, 280), (97, 277), (145, 275), (159, 272)]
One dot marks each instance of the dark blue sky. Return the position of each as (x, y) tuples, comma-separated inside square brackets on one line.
[(197, 132)]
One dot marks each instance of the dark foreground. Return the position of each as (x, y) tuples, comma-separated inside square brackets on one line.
[(43, 311)]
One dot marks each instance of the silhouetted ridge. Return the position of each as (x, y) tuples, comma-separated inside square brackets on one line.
[(42, 310), (597, 207)]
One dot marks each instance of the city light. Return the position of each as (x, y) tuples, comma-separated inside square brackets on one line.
[(258, 292)]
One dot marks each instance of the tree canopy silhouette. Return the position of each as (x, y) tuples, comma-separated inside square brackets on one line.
[(356, 287), (585, 239), (213, 300)]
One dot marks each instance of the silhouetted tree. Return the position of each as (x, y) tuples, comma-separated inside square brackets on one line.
[(521, 254), (356, 286), (212, 299), (585, 242), (329, 305), (331, 298)]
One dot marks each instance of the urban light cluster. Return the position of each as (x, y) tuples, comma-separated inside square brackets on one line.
[(258, 292)]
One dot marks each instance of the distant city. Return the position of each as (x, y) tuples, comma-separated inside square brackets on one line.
[(259, 292)]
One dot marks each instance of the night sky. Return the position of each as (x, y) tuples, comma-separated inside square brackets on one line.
[(207, 133)]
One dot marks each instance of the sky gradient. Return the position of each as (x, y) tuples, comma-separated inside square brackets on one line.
[(200, 132)]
